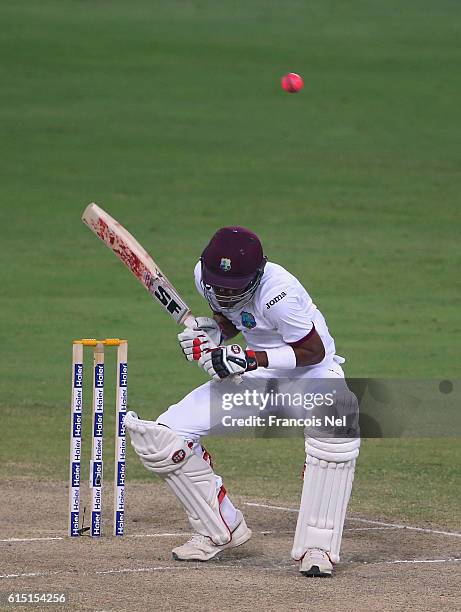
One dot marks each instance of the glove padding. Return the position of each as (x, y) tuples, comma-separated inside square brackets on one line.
[(204, 336), (225, 361), (210, 327)]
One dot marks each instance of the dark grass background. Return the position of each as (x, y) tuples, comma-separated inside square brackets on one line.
[(171, 116)]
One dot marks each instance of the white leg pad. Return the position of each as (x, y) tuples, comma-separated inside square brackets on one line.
[(189, 476), (328, 477)]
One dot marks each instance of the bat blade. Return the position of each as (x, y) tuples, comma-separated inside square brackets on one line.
[(138, 260), (131, 253)]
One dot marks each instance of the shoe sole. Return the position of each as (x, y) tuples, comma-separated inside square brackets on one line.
[(176, 558), (314, 572)]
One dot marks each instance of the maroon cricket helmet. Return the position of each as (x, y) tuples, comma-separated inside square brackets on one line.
[(232, 259)]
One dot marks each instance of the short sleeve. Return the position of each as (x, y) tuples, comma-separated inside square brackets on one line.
[(292, 316)]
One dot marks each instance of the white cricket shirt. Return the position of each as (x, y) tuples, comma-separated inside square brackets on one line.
[(280, 312)]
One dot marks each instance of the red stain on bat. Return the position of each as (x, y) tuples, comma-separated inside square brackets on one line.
[(123, 252)]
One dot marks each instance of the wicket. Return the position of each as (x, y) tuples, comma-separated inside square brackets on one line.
[(96, 463)]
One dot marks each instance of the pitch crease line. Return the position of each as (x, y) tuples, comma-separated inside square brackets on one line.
[(160, 535), (44, 539), (362, 520), (140, 570), (132, 535), (369, 528), (449, 560), (135, 570), (60, 538)]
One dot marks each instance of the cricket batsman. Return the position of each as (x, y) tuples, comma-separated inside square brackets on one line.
[(286, 337)]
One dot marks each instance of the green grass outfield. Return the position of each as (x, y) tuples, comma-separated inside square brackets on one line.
[(171, 116)]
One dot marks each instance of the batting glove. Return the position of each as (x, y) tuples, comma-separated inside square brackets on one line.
[(194, 343), (204, 336), (210, 327), (225, 361)]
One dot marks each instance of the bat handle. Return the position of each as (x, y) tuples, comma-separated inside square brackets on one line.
[(189, 321)]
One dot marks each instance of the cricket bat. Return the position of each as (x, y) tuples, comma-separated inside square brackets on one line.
[(138, 260), (141, 264)]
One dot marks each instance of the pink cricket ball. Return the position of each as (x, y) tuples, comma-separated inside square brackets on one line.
[(292, 82)]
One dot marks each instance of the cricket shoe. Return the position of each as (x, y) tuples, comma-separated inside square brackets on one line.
[(316, 563), (201, 548)]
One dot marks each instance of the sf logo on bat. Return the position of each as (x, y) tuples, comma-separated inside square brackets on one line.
[(167, 300)]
